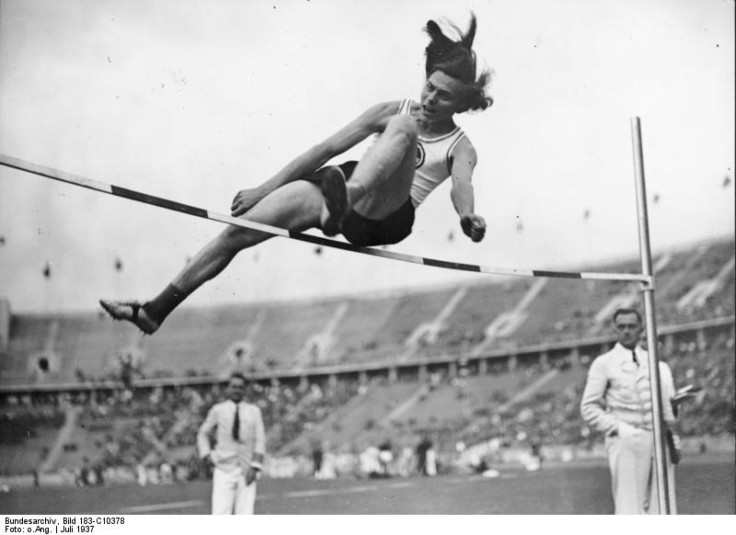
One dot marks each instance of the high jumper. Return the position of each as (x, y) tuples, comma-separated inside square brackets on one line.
[(373, 201)]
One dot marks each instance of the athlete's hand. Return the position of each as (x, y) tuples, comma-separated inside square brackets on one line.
[(208, 461), (250, 475), (244, 201), (474, 226)]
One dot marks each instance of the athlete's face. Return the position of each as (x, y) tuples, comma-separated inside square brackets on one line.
[(441, 97)]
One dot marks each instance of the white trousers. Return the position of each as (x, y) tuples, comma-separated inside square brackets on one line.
[(230, 495), (633, 480)]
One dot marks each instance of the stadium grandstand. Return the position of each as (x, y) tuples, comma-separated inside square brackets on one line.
[(483, 371)]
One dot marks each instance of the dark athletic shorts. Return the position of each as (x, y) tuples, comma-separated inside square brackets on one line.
[(362, 231)]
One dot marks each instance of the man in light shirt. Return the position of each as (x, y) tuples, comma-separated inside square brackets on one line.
[(617, 401), (240, 444)]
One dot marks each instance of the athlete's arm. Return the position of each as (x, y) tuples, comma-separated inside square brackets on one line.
[(371, 121), (463, 198)]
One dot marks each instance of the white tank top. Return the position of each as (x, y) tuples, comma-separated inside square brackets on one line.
[(434, 158)]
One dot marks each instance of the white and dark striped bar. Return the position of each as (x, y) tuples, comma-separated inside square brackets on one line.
[(133, 195)]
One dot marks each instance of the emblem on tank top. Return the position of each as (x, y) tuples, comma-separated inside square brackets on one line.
[(420, 155)]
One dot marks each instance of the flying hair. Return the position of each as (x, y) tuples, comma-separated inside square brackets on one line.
[(457, 60)]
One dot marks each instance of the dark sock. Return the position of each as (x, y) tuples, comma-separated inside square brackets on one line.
[(164, 303)]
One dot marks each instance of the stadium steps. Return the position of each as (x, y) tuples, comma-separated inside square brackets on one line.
[(360, 328), (704, 289), (199, 339), (505, 324), (359, 425), (445, 406), (561, 311), (441, 405), (24, 458), (27, 337), (297, 407), (529, 391), (671, 277), (481, 304), (412, 311), (85, 444), (495, 394), (301, 443), (92, 344), (426, 334), (286, 329), (405, 407), (162, 444), (706, 262), (317, 348), (487, 389)]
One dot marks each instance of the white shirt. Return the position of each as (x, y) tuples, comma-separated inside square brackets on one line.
[(619, 390), (434, 159), (230, 454)]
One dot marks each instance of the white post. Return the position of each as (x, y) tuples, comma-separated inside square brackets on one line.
[(660, 467)]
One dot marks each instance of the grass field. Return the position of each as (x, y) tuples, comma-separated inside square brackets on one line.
[(705, 485)]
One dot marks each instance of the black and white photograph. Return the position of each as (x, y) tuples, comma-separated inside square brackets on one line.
[(428, 258)]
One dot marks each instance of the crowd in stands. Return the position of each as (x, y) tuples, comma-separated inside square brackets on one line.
[(21, 422), (151, 432), (545, 418), (385, 340), (710, 365)]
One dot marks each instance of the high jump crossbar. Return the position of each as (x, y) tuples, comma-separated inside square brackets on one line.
[(111, 189)]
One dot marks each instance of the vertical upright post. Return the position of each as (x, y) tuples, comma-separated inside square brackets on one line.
[(660, 466)]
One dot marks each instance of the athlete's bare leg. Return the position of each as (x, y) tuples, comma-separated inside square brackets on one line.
[(295, 206), (378, 187), (382, 180)]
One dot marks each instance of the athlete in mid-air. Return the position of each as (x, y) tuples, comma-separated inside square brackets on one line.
[(371, 202)]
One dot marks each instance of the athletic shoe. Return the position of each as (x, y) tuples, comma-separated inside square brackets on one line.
[(335, 192), (130, 311)]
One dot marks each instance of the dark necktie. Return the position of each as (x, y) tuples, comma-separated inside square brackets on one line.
[(633, 356), (236, 424)]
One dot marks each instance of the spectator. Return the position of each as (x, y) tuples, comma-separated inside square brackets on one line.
[(141, 475), (617, 401), (83, 475), (238, 455), (405, 462), (317, 456), (424, 445), (385, 457), (430, 461), (166, 475), (98, 471)]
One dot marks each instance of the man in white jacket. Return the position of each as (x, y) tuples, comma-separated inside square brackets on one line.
[(617, 401), (240, 444)]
